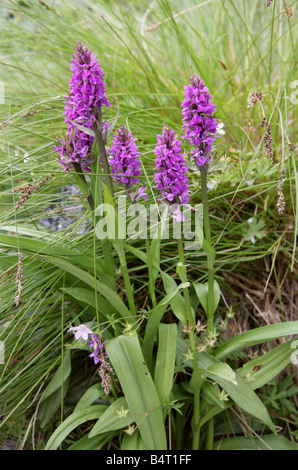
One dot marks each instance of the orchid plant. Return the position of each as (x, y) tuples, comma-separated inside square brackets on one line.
[(155, 375)]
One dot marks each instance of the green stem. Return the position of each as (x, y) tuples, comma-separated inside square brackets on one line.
[(129, 291), (191, 323), (150, 274), (183, 275), (210, 252), (109, 185), (196, 420), (96, 190), (210, 435), (104, 158)]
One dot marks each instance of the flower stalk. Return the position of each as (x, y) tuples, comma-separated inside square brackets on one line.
[(192, 339), (210, 252), (150, 273)]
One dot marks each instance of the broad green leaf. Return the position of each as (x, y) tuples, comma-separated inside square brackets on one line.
[(74, 420), (177, 303), (133, 442), (50, 248), (55, 383), (7, 261), (211, 394), (223, 371), (202, 293), (51, 400), (142, 399), (165, 361), (153, 323), (102, 288), (210, 413), (93, 443), (253, 230), (242, 394), (256, 336), (93, 393), (116, 416), (260, 371), (87, 296), (264, 442)]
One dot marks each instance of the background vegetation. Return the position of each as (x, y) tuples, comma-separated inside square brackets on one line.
[(147, 51)]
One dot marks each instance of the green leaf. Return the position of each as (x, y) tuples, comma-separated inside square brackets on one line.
[(256, 336), (260, 371), (155, 256), (253, 230), (210, 413), (242, 394), (74, 420), (267, 442), (51, 400), (116, 416), (177, 303), (153, 323), (165, 361), (211, 394), (50, 248), (87, 296), (102, 288), (142, 399), (133, 442), (202, 293), (93, 393), (93, 443), (223, 371)]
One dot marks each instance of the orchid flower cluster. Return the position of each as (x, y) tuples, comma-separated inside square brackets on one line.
[(98, 354), (124, 160), (87, 95), (198, 121), (82, 331), (171, 176)]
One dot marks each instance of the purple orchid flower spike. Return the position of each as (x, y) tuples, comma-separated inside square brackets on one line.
[(98, 355), (125, 162), (86, 95), (171, 176), (199, 124), (98, 349)]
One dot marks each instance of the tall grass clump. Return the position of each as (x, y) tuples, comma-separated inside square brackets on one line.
[(125, 335)]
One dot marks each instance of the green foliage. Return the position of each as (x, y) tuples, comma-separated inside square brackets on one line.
[(269, 442), (253, 230), (53, 395), (139, 390), (148, 55)]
